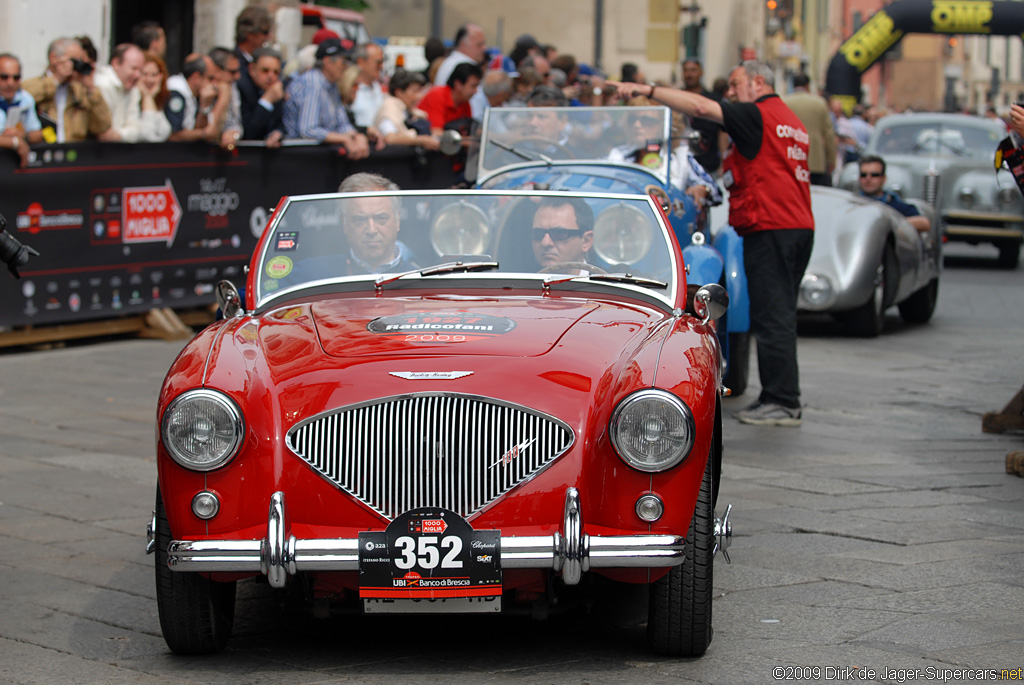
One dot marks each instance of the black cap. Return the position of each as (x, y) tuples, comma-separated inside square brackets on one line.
[(330, 48), (527, 41)]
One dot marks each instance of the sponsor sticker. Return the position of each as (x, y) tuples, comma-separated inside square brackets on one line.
[(279, 267), (441, 327)]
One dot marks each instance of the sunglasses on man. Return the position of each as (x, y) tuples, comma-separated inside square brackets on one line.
[(871, 174), (559, 235)]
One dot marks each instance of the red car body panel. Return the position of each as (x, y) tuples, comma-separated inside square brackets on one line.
[(570, 357)]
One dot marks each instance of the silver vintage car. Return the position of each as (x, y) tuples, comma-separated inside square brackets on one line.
[(946, 159)]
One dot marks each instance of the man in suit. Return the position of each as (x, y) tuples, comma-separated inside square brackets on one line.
[(263, 106)]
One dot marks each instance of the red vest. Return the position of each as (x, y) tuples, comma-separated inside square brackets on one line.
[(773, 190)]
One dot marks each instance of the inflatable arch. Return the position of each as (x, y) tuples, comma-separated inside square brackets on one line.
[(887, 26)]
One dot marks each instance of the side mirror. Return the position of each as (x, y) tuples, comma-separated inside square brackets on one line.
[(710, 302), (228, 299), (451, 142)]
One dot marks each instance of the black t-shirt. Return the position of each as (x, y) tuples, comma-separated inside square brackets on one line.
[(743, 123)]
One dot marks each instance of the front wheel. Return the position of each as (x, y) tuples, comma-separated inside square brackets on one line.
[(679, 614), (737, 373), (196, 613), (919, 307)]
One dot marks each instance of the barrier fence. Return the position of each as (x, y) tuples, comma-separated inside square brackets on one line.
[(125, 229)]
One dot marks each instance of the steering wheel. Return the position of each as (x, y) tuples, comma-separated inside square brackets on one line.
[(538, 144), (557, 268)]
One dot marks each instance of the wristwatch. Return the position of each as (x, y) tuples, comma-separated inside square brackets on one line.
[(205, 111)]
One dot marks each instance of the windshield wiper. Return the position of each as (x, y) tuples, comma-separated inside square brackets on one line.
[(446, 268), (610, 278), (528, 155), (631, 279)]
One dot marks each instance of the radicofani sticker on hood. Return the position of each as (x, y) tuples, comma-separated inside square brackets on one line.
[(440, 327)]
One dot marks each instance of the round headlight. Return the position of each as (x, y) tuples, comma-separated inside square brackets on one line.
[(1008, 196), (622, 234), (202, 430), (816, 292), (460, 228), (652, 430), (966, 195)]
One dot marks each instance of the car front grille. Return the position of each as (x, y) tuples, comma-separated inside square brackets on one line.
[(455, 451)]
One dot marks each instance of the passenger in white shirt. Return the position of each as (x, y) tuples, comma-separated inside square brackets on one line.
[(134, 114)]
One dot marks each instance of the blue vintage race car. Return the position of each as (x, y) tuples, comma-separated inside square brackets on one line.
[(619, 150)]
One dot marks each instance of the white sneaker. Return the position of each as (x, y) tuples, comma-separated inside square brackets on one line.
[(769, 414)]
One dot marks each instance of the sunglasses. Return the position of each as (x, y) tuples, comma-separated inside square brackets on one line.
[(871, 174), (647, 121), (13, 77), (559, 235)]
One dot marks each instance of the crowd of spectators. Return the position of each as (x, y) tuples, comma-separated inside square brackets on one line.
[(333, 92)]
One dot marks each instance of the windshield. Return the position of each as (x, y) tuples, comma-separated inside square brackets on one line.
[(361, 237), (936, 138), (637, 136)]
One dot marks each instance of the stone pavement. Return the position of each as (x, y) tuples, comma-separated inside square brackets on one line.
[(884, 534)]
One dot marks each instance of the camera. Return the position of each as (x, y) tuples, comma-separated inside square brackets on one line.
[(81, 66), (12, 252)]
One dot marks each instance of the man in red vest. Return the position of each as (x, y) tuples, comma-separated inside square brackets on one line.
[(766, 173)]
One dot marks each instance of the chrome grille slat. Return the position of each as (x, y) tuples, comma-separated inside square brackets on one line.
[(460, 452)]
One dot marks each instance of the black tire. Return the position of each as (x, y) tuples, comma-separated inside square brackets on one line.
[(868, 320), (1009, 255), (737, 372), (919, 307), (196, 613), (679, 614)]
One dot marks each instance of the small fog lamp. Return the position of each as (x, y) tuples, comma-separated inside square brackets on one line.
[(205, 505), (649, 508)]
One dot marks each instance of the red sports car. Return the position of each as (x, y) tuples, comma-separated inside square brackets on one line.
[(447, 401)]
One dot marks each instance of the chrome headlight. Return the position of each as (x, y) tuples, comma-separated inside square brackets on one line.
[(202, 430), (967, 196), (622, 234), (1008, 196), (652, 430), (460, 228), (816, 292)]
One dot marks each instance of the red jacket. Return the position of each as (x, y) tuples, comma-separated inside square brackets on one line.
[(772, 190)]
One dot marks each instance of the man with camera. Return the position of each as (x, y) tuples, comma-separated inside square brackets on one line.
[(66, 96)]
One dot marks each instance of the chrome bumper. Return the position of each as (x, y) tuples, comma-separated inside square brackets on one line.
[(571, 551)]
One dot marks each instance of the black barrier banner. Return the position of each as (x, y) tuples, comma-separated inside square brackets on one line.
[(887, 26), (122, 229)]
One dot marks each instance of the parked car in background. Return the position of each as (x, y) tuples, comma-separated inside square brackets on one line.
[(348, 24), (474, 434), (868, 258), (946, 159), (593, 149)]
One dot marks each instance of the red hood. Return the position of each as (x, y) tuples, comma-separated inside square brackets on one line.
[(442, 326)]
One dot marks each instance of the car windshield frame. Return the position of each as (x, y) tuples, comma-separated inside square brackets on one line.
[(304, 249), (590, 135)]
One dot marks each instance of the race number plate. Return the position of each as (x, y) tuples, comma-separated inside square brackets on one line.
[(430, 554)]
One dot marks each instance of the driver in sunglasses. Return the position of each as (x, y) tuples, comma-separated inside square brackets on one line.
[(872, 184), (562, 233), (645, 130)]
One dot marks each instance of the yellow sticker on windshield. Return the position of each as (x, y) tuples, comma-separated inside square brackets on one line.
[(279, 267)]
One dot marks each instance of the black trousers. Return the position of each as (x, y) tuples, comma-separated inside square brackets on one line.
[(775, 262)]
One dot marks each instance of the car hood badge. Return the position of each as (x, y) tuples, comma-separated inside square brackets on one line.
[(430, 375)]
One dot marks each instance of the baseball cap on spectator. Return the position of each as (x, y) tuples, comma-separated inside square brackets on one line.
[(330, 47), (527, 41), (587, 70), (323, 34)]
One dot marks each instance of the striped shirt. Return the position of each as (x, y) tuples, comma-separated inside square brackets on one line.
[(313, 107)]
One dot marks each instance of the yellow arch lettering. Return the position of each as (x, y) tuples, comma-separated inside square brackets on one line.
[(868, 44), (961, 16)]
